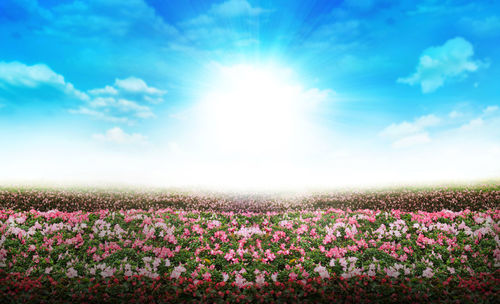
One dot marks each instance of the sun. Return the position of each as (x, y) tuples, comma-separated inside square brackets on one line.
[(251, 109)]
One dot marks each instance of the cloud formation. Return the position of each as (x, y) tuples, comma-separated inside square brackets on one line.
[(89, 19), (32, 76), (137, 85), (490, 109), (220, 27), (107, 90), (486, 26), (408, 134), (235, 8), (121, 102), (440, 64), (117, 136), (412, 140), (408, 128), (99, 115), (118, 110)]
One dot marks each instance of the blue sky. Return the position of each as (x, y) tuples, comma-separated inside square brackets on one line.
[(249, 93)]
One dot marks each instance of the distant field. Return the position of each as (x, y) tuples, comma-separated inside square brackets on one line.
[(393, 245), (478, 197)]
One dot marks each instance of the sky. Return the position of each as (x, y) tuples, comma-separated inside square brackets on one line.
[(245, 94)]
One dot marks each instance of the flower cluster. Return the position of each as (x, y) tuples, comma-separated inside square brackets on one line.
[(475, 198), (248, 256)]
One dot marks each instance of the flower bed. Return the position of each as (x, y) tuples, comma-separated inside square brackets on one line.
[(167, 255), (480, 197)]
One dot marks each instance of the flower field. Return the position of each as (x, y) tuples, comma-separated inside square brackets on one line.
[(67, 246)]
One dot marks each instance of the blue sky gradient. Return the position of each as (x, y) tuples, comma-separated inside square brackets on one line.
[(108, 90)]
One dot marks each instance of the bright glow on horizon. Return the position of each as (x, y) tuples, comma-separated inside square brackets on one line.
[(257, 128), (252, 110), (247, 94)]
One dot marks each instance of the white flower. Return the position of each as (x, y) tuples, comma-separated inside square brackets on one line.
[(71, 273), (428, 273), (176, 273), (352, 259), (343, 262), (321, 270), (392, 272), (108, 272), (259, 280), (21, 220), (128, 273), (479, 220), (332, 262), (240, 281), (248, 232), (371, 270)]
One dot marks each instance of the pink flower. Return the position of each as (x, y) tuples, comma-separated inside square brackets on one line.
[(428, 273), (176, 273), (321, 270), (206, 276), (259, 280), (240, 281), (108, 272), (71, 273)]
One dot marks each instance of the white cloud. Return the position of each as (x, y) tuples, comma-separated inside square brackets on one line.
[(489, 26), (91, 19), (99, 115), (107, 90), (118, 136), (131, 106), (21, 75), (313, 97), (113, 103), (363, 5), (105, 108), (455, 114), (201, 20), (440, 64), (137, 85), (473, 124), (174, 148), (108, 104), (490, 109), (207, 30), (235, 8), (412, 140), (102, 102), (410, 128), (153, 100), (407, 134)]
